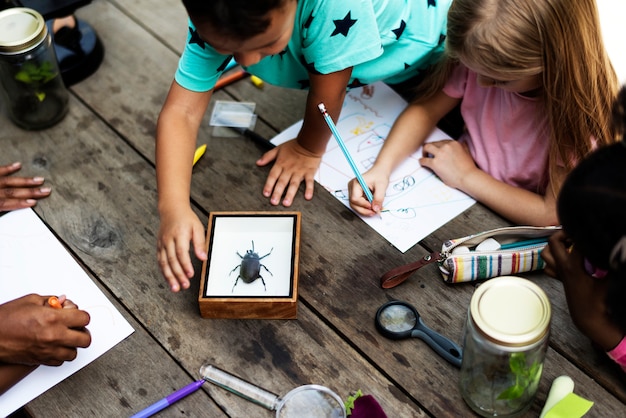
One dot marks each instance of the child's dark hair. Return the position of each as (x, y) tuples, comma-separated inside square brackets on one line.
[(241, 19), (592, 210)]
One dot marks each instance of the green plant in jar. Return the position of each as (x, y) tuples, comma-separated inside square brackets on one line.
[(36, 76), (526, 377)]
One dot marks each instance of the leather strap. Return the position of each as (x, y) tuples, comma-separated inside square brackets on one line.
[(399, 274)]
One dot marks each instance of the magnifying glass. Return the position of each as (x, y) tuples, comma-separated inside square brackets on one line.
[(398, 320), (307, 401)]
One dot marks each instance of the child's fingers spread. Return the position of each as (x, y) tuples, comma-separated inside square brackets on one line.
[(268, 157), (309, 189)]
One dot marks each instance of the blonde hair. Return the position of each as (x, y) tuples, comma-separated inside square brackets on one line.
[(560, 39)]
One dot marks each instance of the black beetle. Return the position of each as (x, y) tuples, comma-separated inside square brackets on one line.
[(250, 267)]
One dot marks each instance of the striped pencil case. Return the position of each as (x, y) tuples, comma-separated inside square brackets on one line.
[(493, 253)]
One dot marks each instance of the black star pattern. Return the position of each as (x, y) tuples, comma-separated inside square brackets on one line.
[(310, 66), (224, 64), (342, 26), (308, 22), (407, 65), (398, 32), (195, 38), (356, 83), (432, 3)]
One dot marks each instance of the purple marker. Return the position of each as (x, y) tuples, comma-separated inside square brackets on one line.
[(168, 400)]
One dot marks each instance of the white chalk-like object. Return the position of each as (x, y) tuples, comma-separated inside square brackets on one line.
[(489, 244), (561, 387), (461, 249)]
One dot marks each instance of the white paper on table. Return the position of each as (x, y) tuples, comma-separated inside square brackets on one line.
[(32, 260), (417, 200)]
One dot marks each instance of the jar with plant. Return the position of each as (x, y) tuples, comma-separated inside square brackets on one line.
[(35, 96)]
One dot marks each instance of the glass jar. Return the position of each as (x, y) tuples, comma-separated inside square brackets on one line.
[(36, 97), (506, 337)]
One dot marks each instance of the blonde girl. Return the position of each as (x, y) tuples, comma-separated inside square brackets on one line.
[(535, 88)]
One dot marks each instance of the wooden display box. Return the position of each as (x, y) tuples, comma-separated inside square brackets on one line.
[(252, 267)]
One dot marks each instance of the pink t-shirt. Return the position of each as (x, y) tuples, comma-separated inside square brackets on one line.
[(618, 354), (507, 137)]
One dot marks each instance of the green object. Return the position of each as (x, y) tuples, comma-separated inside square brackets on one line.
[(525, 377), (349, 403), (571, 406)]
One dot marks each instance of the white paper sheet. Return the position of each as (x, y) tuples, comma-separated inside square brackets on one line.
[(32, 260), (417, 201)]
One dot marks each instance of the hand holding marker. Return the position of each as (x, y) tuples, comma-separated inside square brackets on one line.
[(346, 153)]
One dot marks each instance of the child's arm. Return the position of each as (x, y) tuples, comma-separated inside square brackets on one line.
[(299, 159), (177, 129), (452, 162), (585, 295), (408, 133)]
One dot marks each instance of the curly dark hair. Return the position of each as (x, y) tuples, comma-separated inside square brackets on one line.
[(241, 19), (592, 210)]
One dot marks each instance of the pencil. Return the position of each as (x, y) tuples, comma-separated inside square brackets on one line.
[(342, 145), (229, 79)]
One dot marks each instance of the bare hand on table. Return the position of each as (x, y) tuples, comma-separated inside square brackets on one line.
[(293, 165), (19, 192), (175, 233), (450, 160)]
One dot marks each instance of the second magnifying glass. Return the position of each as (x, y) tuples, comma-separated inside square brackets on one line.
[(398, 320), (307, 401)]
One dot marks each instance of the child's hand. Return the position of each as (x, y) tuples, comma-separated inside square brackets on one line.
[(175, 232), (377, 182), (293, 165), (19, 192), (585, 295), (450, 160)]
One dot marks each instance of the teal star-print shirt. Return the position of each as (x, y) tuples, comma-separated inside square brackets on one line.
[(389, 40)]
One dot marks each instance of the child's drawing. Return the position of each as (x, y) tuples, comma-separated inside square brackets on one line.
[(416, 202)]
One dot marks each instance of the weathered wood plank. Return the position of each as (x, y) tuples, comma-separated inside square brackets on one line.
[(114, 231)]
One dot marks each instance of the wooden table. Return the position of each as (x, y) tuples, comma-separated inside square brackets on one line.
[(100, 163)]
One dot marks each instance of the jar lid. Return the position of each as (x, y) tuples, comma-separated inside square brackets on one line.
[(21, 29), (511, 311)]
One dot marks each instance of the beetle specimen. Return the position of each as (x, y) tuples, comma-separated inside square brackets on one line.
[(250, 267)]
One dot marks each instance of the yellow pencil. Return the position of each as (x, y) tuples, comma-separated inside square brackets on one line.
[(199, 153)]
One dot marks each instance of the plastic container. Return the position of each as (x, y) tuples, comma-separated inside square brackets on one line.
[(35, 96), (506, 337)]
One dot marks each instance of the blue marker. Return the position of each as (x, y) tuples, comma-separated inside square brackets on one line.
[(342, 145), (168, 400), (521, 244)]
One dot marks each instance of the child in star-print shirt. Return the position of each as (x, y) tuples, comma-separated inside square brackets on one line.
[(325, 46), (535, 97)]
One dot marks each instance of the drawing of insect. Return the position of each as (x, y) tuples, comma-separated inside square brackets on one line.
[(250, 267)]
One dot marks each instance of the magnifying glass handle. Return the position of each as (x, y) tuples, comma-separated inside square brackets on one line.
[(239, 387), (445, 347)]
